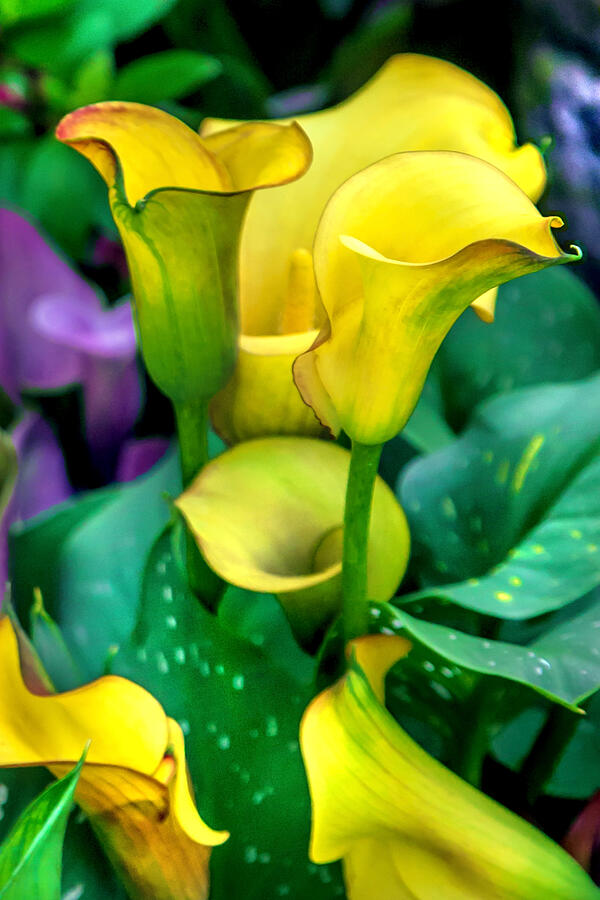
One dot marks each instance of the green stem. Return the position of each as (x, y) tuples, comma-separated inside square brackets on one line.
[(480, 714), (357, 514), (547, 750), (192, 430)]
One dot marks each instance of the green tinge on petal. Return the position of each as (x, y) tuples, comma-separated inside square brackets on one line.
[(267, 516), (403, 824), (182, 250), (401, 251), (179, 204)]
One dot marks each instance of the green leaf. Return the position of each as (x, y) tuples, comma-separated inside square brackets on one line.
[(563, 664), (13, 11), (509, 513), (86, 872), (240, 711), (426, 430), (165, 76), (8, 469), (13, 123), (87, 556), (62, 44), (30, 857), (547, 329), (126, 19), (50, 645), (578, 771), (63, 192), (93, 80)]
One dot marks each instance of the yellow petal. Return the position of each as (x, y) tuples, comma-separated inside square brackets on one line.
[(179, 205), (261, 154), (261, 398), (134, 784), (401, 250), (267, 516), (413, 103), (485, 306), (152, 149), (403, 824)]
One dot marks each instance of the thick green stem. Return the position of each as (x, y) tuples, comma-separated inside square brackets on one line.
[(192, 430), (357, 515), (547, 750)]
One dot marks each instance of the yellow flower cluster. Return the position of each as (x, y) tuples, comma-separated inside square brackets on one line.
[(347, 275)]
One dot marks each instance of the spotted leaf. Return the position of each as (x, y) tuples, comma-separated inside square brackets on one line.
[(506, 520), (239, 704)]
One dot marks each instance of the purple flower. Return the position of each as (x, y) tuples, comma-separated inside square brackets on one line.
[(55, 331)]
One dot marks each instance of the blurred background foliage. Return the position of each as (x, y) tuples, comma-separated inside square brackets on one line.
[(263, 58)]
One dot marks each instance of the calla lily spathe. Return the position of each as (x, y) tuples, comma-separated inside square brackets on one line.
[(268, 515), (401, 251), (413, 103), (134, 784), (179, 202), (405, 827)]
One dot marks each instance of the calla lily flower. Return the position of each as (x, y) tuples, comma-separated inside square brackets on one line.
[(134, 785), (179, 202), (413, 103), (405, 827), (402, 249), (268, 514)]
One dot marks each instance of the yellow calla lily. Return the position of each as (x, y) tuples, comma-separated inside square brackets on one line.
[(405, 827), (402, 249), (134, 785), (413, 103), (268, 514), (179, 203)]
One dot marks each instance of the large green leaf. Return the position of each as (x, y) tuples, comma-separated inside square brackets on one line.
[(509, 514), (562, 664), (165, 76), (547, 329), (87, 557), (237, 683), (30, 857)]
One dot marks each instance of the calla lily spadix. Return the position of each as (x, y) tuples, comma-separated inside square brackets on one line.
[(413, 103), (405, 827), (134, 784), (268, 514), (401, 251), (179, 202)]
